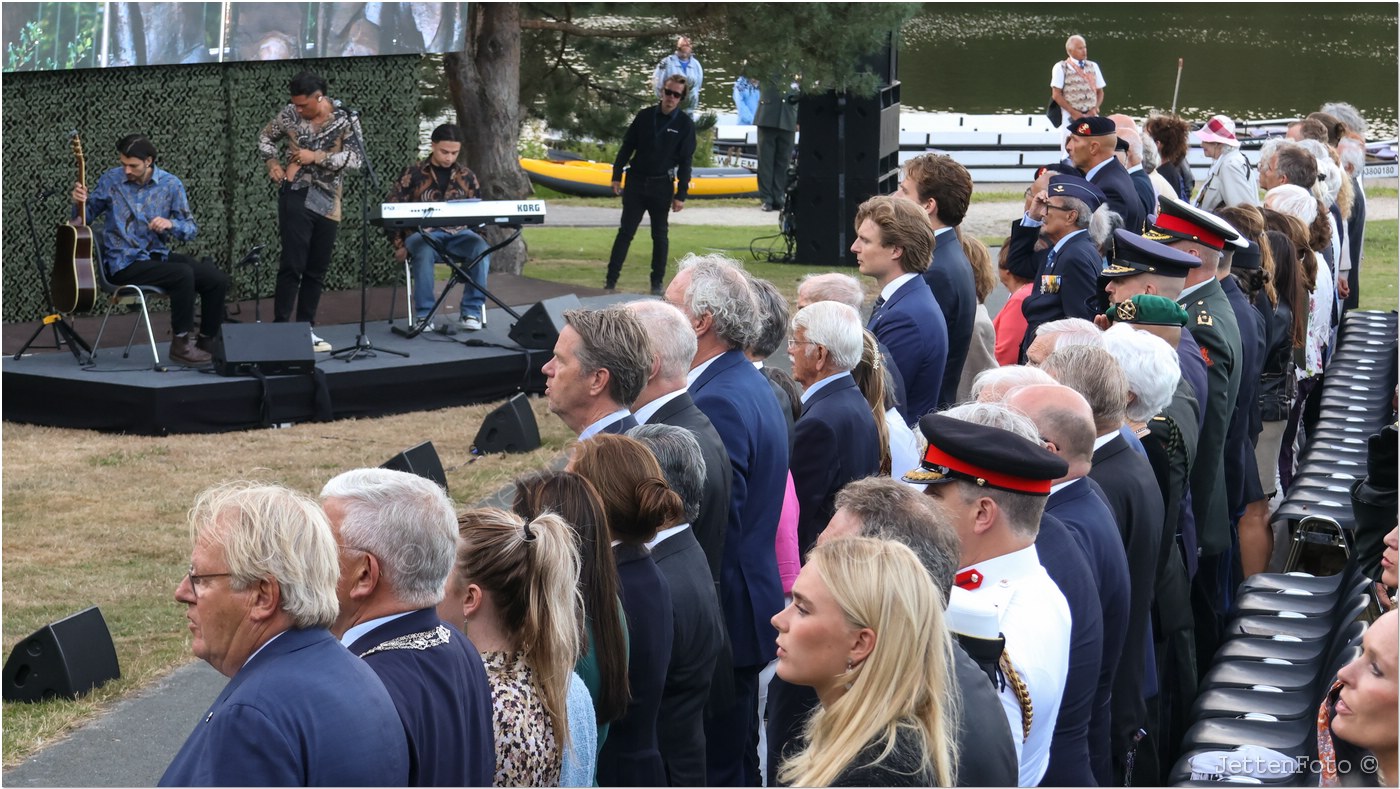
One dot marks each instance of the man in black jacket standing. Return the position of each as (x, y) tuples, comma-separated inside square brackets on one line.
[(657, 148)]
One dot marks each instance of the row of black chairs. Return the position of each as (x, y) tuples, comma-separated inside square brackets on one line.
[(1289, 633)]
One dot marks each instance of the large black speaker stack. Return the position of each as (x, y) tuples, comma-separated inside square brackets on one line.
[(847, 153)]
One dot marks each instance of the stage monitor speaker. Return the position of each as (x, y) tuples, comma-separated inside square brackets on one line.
[(538, 329), (68, 658), (510, 428), (422, 460), (272, 348)]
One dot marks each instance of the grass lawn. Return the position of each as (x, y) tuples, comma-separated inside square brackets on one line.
[(1380, 266)]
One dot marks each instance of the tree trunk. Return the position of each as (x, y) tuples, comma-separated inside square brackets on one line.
[(485, 84)]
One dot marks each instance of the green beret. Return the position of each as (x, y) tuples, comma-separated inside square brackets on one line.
[(1146, 310)]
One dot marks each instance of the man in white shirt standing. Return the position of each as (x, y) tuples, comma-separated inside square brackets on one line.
[(1076, 84)]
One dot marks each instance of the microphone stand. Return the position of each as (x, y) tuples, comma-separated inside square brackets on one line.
[(362, 346), (63, 331)]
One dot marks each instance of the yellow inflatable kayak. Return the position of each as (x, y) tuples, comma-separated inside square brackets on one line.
[(594, 179)]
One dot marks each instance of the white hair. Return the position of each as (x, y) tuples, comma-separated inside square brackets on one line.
[(1353, 154), (719, 287), (999, 416), (1071, 331), (1349, 115), (1329, 175), (1150, 365), (833, 287), (834, 326), (672, 337), (997, 381), (406, 521), (1293, 200), (1151, 157)]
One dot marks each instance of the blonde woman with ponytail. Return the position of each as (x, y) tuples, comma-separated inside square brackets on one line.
[(865, 630), (515, 589)]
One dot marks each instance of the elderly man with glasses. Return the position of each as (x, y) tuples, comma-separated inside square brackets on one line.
[(299, 709)]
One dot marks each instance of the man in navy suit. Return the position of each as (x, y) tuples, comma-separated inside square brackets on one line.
[(837, 440), (893, 246), (847, 289), (1090, 147), (397, 535), (299, 709), (943, 189), (666, 401), (1066, 423), (600, 364), (699, 625), (714, 293)]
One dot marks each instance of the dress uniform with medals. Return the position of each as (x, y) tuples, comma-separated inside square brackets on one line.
[(1066, 283), (1032, 613)]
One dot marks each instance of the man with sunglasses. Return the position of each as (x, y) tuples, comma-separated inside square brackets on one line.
[(656, 151)]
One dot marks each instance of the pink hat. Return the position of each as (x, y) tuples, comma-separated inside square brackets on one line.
[(1219, 129)]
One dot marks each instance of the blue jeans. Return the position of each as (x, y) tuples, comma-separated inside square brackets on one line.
[(465, 245)]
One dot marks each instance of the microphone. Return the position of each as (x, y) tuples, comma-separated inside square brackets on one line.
[(338, 104)]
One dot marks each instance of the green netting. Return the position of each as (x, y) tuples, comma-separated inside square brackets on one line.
[(204, 120)]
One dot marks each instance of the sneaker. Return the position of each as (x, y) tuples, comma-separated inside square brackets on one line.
[(183, 350), (319, 345), (469, 323)]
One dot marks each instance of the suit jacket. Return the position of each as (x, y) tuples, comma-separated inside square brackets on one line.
[(302, 712), (621, 426), (1081, 508), (1117, 185), (739, 403), (632, 756), (443, 698), (709, 525), (784, 405), (1066, 287), (1068, 566), (986, 754), (1143, 183), (837, 441), (949, 276), (1193, 369), (1212, 324), (911, 325), (981, 353), (1241, 470), (1126, 479), (699, 636)]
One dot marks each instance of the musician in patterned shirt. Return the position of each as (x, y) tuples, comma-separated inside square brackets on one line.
[(147, 209), (441, 176), (321, 144)]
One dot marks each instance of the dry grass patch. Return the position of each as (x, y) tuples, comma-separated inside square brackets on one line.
[(99, 519)]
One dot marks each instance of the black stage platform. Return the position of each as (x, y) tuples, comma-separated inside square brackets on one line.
[(128, 396)]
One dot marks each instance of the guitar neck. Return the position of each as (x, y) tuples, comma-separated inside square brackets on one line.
[(82, 204)]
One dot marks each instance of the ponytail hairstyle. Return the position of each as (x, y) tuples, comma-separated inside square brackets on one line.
[(1288, 281), (905, 683), (574, 499), (636, 498), (530, 570), (869, 373)]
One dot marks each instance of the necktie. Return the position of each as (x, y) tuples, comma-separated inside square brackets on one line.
[(879, 302), (1050, 259)]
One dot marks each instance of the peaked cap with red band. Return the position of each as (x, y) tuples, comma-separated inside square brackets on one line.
[(1180, 221), (985, 456)]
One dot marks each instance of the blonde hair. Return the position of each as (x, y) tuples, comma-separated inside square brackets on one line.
[(984, 276), (904, 683), (531, 573), (870, 379)]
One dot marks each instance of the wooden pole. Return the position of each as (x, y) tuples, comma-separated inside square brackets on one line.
[(1180, 62)]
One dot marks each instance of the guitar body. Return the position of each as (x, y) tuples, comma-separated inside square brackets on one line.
[(74, 280)]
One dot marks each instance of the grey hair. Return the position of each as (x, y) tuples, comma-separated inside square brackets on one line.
[(719, 287), (1082, 214), (672, 337), (1329, 175), (891, 510), (1293, 200), (268, 531), (1150, 365), (1353, 154), (613, 339), (1151, 157), (1101, 226), (834, 326), (775, 319), (831, 286), (1022, 510), (682, 464), (1071, 331), (406, 521), (1349, 115), (995, 382), (1094, 373), (1299, 165)]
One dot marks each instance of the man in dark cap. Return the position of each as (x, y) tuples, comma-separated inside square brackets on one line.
[(1090, 147), (983, 471), (1066, 283)]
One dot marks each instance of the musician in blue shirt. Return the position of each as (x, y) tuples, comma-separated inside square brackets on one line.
[(146, 210)]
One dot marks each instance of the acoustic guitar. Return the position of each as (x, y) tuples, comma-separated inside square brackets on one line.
[(74, 280)]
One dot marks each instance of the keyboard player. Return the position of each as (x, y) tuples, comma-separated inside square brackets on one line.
[(441, 177)]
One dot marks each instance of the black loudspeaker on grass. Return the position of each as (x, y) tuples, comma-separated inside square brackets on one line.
[(271, 348), (67, 659), (539, 327), (421, 460), (509, 428)]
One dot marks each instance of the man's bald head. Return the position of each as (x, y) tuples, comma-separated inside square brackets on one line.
[(1063, 417)]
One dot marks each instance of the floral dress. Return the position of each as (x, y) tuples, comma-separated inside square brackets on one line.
[(527, 753)]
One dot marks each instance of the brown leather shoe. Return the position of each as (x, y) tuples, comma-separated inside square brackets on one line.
[(184, 351), (205, 343)]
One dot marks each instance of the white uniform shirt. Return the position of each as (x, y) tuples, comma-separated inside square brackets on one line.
[(1035, 620)]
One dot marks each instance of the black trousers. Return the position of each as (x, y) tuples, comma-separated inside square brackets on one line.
[(307, 240), (650, 196), (731, 750), (182, 277)]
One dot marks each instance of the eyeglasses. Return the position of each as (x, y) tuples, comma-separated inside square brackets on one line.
[(791, 342), (197, 579), (1058, 207), (673, 94)]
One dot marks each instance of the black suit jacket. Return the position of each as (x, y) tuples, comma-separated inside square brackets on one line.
[(1117, 185), (1145, 192), (837, 442), (699, 636), (710, 524), (949, 276)]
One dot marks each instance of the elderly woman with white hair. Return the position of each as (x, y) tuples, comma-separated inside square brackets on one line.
[(1299, 203), (1152, 369), (1231, 181)]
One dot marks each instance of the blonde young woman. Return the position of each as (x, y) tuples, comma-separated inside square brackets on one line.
[(515, 588), (865, 630)]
